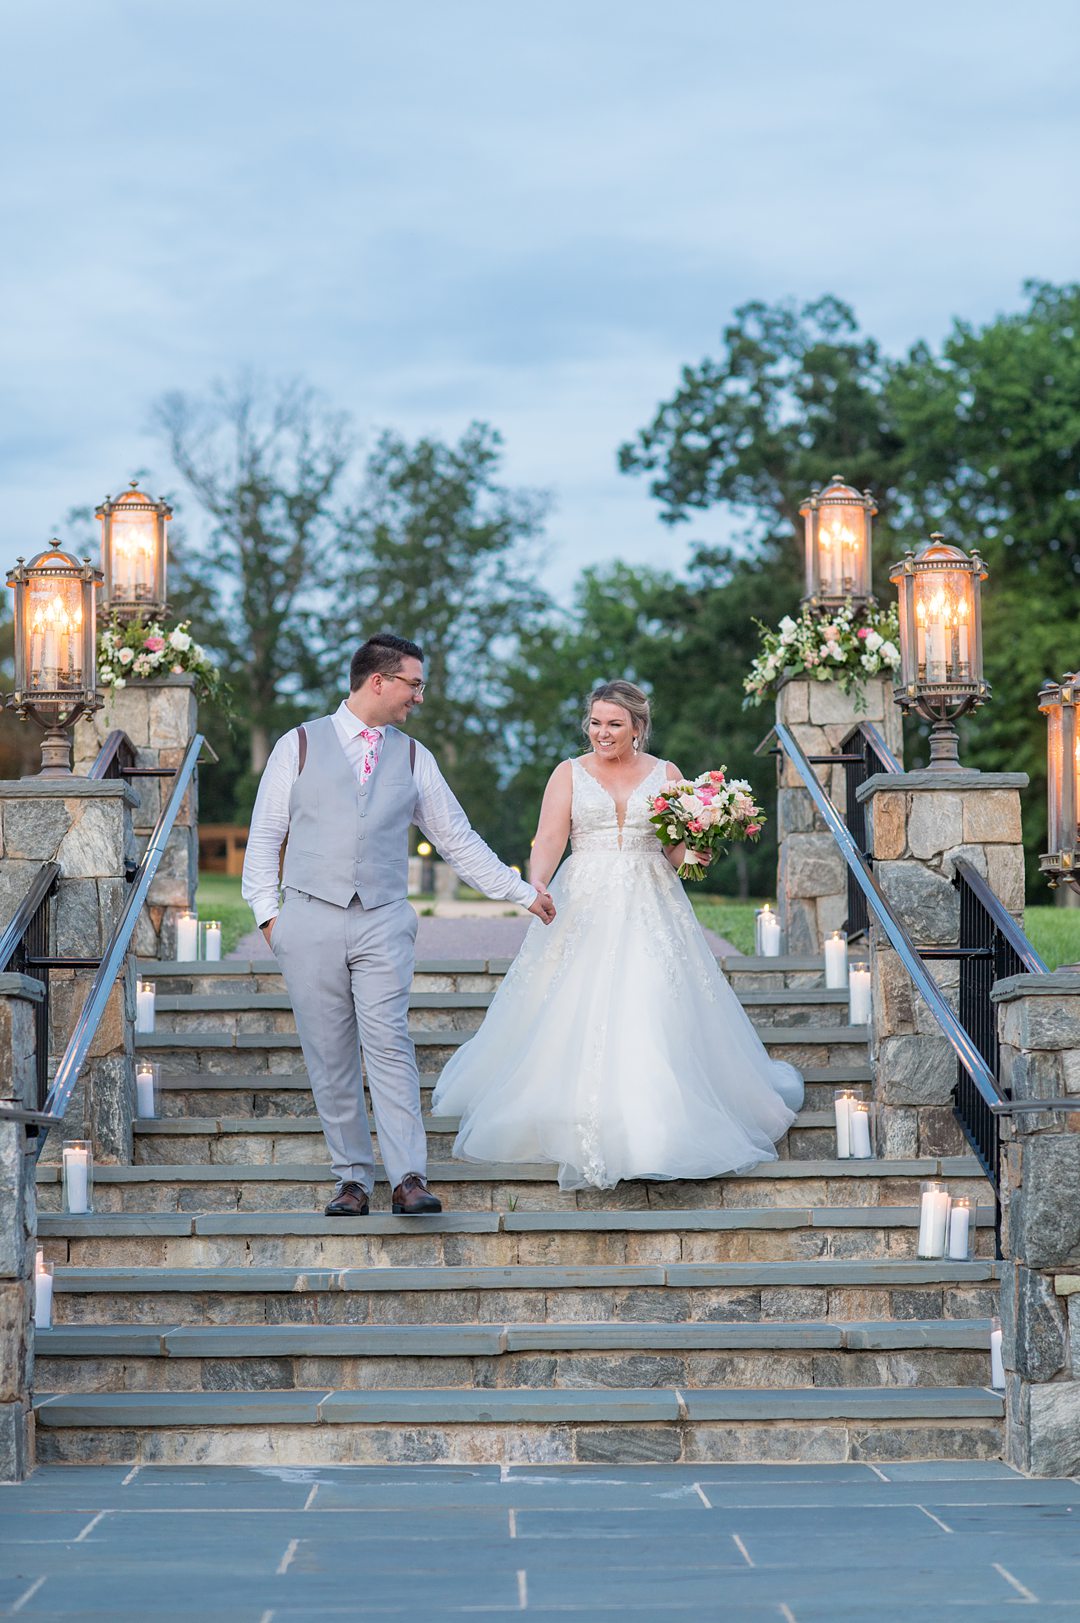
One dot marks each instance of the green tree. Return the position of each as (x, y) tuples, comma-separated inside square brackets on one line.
[(795, 395), (442, 551), (991, 454)]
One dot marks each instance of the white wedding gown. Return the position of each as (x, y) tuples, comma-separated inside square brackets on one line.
[(615, 1047)]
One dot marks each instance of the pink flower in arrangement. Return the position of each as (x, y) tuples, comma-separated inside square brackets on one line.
[(694, 826), (717, 777), (830, 633), (154, 645), (706, 794), (660, 804), (863, 631), (753, 828)]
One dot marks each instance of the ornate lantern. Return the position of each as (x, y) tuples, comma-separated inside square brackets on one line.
[(838, 526), (133, 554), (940, 640), (1059, 702), (55, 647)]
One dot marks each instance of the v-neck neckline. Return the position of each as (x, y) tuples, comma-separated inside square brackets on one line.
[(620, 819)]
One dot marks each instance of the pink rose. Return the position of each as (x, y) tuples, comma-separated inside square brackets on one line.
[(154, 645), (694, 826), (660, 804), (753, 828), (863, 631)]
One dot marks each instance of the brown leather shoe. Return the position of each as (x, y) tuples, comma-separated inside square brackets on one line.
[(350, 1201), (413, 1198)]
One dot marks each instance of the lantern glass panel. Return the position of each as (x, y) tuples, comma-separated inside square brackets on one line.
[(53, 631), (944, 622), (841, 539), (133, 556)]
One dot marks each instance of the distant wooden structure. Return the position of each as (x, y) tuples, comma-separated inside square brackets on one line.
[(222, 847)]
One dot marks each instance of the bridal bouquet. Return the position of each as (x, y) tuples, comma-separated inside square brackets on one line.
[(706, 814)]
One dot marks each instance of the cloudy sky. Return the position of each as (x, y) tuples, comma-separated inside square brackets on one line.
[(529, 213)]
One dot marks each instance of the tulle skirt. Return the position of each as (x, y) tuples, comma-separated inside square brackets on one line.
[(615, 1048)]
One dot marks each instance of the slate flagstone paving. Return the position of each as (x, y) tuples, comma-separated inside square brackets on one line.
[(910, 1543)]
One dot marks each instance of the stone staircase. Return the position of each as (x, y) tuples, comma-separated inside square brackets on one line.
[(208, 1312)]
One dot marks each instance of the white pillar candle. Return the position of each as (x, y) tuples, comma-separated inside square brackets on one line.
[(959, 1229), (43, 1293), (836, 961), (933, 1221), (858, 996), (213, 942), (860, 1132), (997, 1361), (187, 937), (144, 1091), (144, 1006), (842, 1105), (76, 1178)]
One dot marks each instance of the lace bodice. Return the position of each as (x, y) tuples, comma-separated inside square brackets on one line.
[(594, 820)]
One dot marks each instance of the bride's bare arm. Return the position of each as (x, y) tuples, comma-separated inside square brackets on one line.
[(553, 830)]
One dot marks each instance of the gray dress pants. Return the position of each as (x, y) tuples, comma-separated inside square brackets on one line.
[(349, 974)]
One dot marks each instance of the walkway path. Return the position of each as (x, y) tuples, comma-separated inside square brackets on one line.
[(796, 1544)]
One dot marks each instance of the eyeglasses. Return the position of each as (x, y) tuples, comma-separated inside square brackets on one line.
[(417, 686)]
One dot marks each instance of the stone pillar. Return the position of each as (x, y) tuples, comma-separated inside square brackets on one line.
[(86, 828), (1039, 1030), (811, 881), (920, 823), (160, 718), (18, 1226)]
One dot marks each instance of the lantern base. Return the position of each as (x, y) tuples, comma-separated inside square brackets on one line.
[(56, 754), (944, 745)]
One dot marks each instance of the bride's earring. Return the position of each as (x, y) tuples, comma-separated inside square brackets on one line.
[(637, 744)]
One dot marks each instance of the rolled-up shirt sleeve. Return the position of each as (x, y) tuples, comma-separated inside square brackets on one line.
[(440, 818), (259, 885)]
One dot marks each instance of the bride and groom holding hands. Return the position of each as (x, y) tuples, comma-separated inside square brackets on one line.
[(614, 1047)]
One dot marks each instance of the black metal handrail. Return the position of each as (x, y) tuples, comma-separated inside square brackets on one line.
[(74, 1055), (864, 753), (24, 947)]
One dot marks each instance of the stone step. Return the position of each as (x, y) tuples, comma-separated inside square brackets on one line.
[(131, 1358), (271, 1012), (296, 1239), (670, 1293), (322, 1426), (264, 975), (305, 1186), (288, 1093), (299, 1138), (219, 1053)]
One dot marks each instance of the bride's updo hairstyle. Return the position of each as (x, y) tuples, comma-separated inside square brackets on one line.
[(629, 698)]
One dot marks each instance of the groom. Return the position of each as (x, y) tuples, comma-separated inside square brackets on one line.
[(344, 790)]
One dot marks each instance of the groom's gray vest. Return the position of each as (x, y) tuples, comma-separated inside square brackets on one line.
[(346, 838)]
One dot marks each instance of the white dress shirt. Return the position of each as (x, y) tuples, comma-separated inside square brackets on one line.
[(438, 816)]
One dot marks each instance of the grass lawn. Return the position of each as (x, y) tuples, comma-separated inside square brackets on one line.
[(732, 919), (218, 897)]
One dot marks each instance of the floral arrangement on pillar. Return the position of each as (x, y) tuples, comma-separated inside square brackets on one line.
[(131, 650), (845, 647)]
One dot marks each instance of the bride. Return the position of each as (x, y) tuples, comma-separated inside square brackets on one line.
[(615, 1047)]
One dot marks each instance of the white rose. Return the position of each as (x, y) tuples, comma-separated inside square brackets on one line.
[(125, 656), (873, 641), (179, 640), (890, 652), (692, 804)]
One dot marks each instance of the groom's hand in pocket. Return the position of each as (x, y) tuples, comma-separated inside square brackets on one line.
[(543, 907)]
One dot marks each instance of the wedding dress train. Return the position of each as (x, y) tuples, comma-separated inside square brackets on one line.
[(615, 1047)]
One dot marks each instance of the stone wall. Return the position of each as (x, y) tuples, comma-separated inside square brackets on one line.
[(160, 718), (86, 828), (920, 824), (1039, 1030), (811, 883), (18, 1226)]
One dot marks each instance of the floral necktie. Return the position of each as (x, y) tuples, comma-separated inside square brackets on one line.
[(372, 740)]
